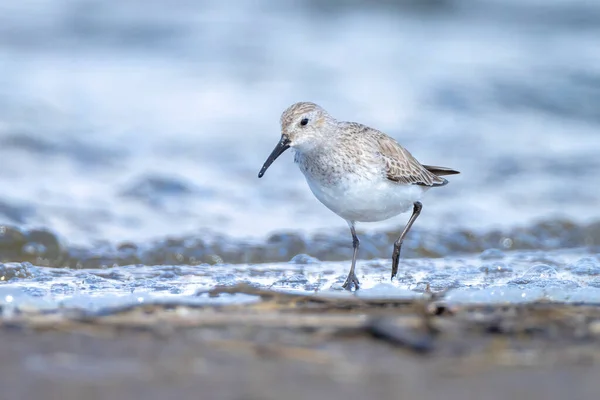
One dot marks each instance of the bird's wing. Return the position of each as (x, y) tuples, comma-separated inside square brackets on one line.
[(402, 167)]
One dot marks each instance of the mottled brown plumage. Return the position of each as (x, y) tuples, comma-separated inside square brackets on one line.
[(400, 166)]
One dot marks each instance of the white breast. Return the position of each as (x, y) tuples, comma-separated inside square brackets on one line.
[(356, 198), (355, 192)]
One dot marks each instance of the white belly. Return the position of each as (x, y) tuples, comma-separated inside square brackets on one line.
[(365, 200)]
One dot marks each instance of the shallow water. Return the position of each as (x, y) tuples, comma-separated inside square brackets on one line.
[(491, 277)]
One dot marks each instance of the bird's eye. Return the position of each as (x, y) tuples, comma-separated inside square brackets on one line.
[(304, 121)]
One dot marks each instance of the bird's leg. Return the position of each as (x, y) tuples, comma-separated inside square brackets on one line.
[(352, 280), (398, 243)]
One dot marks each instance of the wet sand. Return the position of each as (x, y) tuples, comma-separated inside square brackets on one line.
[(297, 347)]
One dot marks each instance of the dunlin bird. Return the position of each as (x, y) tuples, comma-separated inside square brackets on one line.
[(359, 173)]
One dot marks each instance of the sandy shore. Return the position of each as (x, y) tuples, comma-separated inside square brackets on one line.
[(298, 347)]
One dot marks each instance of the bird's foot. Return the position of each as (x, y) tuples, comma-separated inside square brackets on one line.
[(351, 282)]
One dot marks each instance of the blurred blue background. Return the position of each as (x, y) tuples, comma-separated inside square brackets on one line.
[(138, 119)]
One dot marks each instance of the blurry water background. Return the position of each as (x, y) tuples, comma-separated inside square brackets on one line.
[(139, 120)]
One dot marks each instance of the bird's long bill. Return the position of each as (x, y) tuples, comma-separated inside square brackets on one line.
[(282, 146)]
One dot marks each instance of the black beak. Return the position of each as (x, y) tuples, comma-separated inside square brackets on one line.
[(282, 146)]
